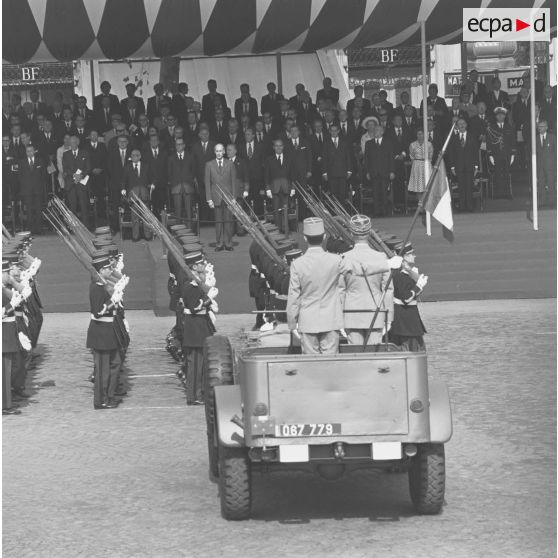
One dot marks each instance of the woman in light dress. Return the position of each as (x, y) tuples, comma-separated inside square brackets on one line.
[(416, 153), (59, 153)]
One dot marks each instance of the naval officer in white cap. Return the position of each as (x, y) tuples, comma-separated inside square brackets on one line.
[(314, 300)]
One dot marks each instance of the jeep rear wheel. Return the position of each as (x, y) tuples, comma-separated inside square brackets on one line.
[(217, 371), (235, 487), (427, 479)]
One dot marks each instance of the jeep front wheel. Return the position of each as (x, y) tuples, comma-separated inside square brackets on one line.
[(235, 482), (427, 479)]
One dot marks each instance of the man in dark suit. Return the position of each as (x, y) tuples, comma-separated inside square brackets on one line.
[(131, 113), (66, 125), (359, 94), (241, 183), (475, 88), (328, 92), (548, 107), (80, 129), (29, 120), (521, 115), (354, 124), (254, 155), (337, 164), (191, 129), (306, 111), (501, 150), (218, 126), (317, 141), (233, 135), (155, 102), (155, 155), (405, 102), (246, 104), (32, 179), (497, 97), (181, 181), (379, 164), (384, 103), (180, 103), (167, 134), (139, 105), (47, 142), (221, 172), (140, 135), (271, 102), (98, 176), (103, 116), (464, 157), (546, 164), (410, 123), (203, 151), (136, 178), (76, 167), (298, 149), (208, 101), (118, 157), (82, 110), (479, 123), (400, 140), (295, 100), (437, 103), (38, 106), (105, 92), (277, 178)]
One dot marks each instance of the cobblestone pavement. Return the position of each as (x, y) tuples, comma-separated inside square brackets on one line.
[(133, 482)]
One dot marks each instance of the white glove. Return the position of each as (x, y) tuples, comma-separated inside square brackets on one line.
[(245, 194), (119, 266), (152, 187), (395, 262), (211, 204), (213, 292), (126, 325), (123, 192), (26, 274), (491, 159), (214, 306), (26, 292), (421, 281), (268, 194), (16, 299), (116, 297), (512, 160), (293, 192), (210, 280)]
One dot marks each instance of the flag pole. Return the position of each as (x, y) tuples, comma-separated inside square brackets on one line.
[(420, 205), (425, 114), (533, 137)]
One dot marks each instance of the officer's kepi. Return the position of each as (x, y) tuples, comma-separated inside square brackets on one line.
[(313, 226)]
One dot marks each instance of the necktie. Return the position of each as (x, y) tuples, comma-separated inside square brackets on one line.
[(462, 140), (155, 154), (48, 136), (123, 156), (542, 141), (136, 169), (68, 124), (377, 141), (267, 128), (335, 142), (409, 121), (218, 127), (259, 136), (295, 141), (320, 138), (280, 159), (501, 124), (398, 132), (30, 162), (250, 150), (245, 108), (180, 156), (16, 142), (75, 154), (344, 126), (80, 131), (132, 114), (220, 163), (204, 144)]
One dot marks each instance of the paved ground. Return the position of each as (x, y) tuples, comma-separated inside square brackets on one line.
[(133, 482)]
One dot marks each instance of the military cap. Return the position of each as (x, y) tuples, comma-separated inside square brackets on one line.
[(189, 239), (11, 257), (5, 265), (193, 258), (360, 225), (102, 231), (313, 226), (178, 227), (101, 262), (100, 253), (113, 249), (191, 248), (292, 254)]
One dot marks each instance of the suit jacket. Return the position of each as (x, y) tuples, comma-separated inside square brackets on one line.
[(140, 105), (46, 146), (252, 109), (32, 179), (317, 150), (29, 124), (270, 105), (362, 260), (71, 165), (224, 177), (115, 166), (239, 138), (103, 124), (401, 142), (548, 112), (332, 94), (241, 183), (306, 115), (314, 300), (152, 110), (255, 165), (337, 162), (127, 116), (201, 158), (208, 106), (159, 166), (439, 104), (492, 102), (464, 158), (132, 182), (278, 177), (378, 159), (366, 107), (546, 155), (355, 131), (400, 110), (181, 173), (97, 155), (521, 112), (139, 138), (301, 159), (477, 126), (179, 108), (480, 95), (114, 102)]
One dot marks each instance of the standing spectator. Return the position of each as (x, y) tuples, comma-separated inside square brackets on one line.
[(379, 164), (301, 155), (359, 94), (400, 140), (221, 172), (155, 103), (218, 126), (140, 135), (521, 114), (385, 103), (337, 165), (271, 102), (203, 151), (475, 88), (295, 100), (497, 97), (233, 135), (501, 151), (180, 103), (548, 107), (156, 156), (83, 111), (246, 104), (417, 154), (32, 181), (47, 142), (29, 120), (103, 117), (241, 184), (401, 110), (317, 142), (546, 164), (354, 126), (105, 92), (166, 135), (77, 166), (38, 106), (181, 181), (118, 157), (328, 92), (80, 130), (131, 114), (137, 179), (278, 182), (98, 176), (136, 101), (464, 157), (437, 103), (209, 101), (254, 155), (191, 129)]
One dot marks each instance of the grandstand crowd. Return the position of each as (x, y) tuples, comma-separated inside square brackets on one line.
[(368, 151)]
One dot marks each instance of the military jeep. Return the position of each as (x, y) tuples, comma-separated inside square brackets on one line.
[(269, 409)]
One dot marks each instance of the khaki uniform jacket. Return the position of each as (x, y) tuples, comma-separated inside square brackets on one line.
[(356, 295), (314, 300)]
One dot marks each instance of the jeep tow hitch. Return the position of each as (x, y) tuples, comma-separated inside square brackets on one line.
[(238, 421)]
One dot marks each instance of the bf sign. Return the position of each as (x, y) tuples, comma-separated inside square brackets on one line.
[(389, 55), (30, 73)]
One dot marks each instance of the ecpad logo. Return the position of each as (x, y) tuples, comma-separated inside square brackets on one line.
[(506, 24)]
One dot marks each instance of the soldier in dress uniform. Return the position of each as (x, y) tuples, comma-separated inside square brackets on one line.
[(196, 326), (500, 147), (102, 337), (407, 329), (366, 277)]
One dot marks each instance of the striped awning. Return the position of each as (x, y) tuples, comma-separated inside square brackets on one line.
[(45, 30)]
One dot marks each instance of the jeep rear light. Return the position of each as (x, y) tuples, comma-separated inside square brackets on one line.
[(260, 410), (416, 406)]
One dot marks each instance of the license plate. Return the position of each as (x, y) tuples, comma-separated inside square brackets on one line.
[(295, 430)]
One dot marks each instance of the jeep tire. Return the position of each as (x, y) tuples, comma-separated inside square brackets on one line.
[(427, 478), (235, 488), (217, 371)]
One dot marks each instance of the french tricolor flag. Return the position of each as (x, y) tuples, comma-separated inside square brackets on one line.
[(438, 202)]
